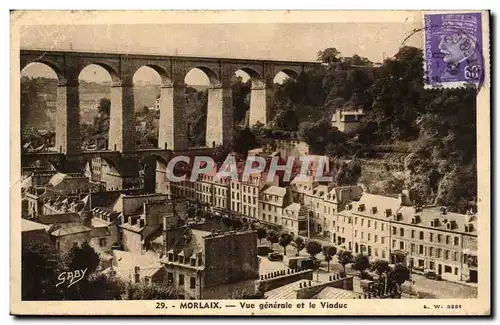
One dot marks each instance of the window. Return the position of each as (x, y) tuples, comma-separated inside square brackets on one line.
[(401, 232), (431, 236), (355, 233), (369, 236), (375, 239), (394, 231), (356, 220), (431, 251), (447, 240), (362, 235), (383, 254), (376, 251), (369, 223), (413, 248), (382, 227), (420, 263), (456, 271), (421, 236), (402, 245), (362, 221), (455, 256), (103, 242), (181, 279), (382, 240), (439, 238), (420, 249), (413, 234), (438, 253), (170, 277), (393, 243), (455, 241), (446, 254), (447, 269), (192, 283), (375, 225)]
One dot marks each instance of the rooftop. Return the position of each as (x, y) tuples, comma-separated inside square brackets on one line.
[(275, 190), (27, 225), (335, 293), (69, 230)]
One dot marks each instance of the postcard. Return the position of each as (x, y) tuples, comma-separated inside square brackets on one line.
[(250, 163)]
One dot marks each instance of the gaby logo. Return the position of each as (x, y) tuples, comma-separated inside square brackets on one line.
[(204, 165), (71, 277)]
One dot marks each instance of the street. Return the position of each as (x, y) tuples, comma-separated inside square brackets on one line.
[(422, 287)]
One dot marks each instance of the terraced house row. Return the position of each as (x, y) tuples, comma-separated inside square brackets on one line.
[(382, 227)]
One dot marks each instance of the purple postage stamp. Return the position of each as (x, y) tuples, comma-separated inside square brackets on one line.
[(453, 50)]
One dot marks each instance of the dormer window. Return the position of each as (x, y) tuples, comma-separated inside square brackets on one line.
[(361, 207), (374, 210), (469, 227), (388, 213)]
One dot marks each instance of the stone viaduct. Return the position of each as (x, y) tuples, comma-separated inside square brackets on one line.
[(172, 125)]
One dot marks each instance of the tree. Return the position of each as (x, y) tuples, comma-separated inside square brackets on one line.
[(361, 263), (381, 267), (272, 237), (237, 224), (102, 287), (285, 240), (104, 106), (244, 140), (329, 55), (313, 248), (299, 244), (227, 222), (81, 257), (261, 234), (40, 266), (321, 133), (344, 257), (398, 275), (149, 292), (328, 253)]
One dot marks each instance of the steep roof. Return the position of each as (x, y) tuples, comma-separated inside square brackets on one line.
[(49, 219), (275, 190), (57, 179), (429, 214), (124, 264), (27, 225), (69, 230), (336, 293)]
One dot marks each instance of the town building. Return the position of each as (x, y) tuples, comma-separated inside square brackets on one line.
[(423, 238), (207, 265), (348, 121)]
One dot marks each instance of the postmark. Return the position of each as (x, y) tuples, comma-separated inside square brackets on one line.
[(453, 50)]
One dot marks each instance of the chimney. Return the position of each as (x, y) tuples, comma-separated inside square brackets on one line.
[(142, 222)]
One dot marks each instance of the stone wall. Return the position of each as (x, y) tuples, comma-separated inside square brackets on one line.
[(280, 278)]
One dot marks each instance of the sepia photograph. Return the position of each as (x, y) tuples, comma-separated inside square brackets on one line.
[(250, 163)]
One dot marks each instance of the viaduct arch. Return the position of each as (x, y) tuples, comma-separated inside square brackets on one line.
[(172, 137)]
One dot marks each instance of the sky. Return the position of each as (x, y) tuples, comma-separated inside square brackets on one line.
[(278, 41)]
